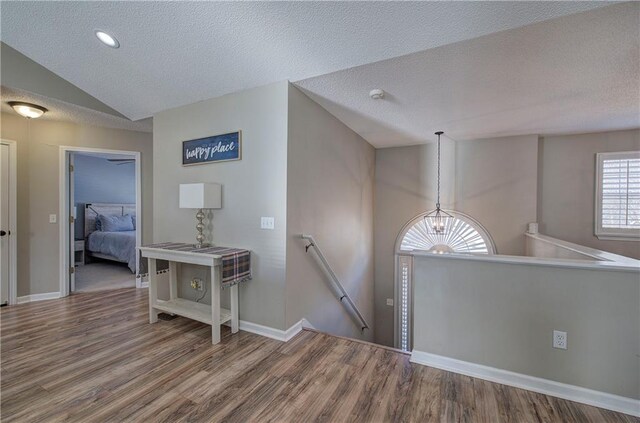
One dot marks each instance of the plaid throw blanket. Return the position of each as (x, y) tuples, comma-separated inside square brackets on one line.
[(236, 262)]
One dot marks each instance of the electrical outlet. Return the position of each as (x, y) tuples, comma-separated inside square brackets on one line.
[(390, 302), (197, 284), (560, 339), (53, 218)]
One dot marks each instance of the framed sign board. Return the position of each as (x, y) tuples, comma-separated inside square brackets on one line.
[(217, 148)]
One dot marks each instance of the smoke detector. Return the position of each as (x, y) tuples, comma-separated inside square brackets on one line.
[(376, 94)]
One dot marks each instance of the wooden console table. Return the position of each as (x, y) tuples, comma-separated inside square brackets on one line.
[(176, 254)]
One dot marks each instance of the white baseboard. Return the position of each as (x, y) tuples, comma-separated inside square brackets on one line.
[(543, 386), (277, 334), (306, 324), (37, 297)]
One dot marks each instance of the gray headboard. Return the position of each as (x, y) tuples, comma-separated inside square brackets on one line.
[(92, 210)]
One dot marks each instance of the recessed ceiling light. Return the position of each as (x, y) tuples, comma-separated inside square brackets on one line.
[(107, 39), (28, 110)]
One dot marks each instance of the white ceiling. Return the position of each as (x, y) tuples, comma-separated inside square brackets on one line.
[(67, 112), (176, 53), (574, 74)]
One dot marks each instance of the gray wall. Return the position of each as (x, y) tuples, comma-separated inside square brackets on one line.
[(503, 315), (38, 190), (496, 183), (330, 196), (492, 180), (252, 187), (97, 180), (567, 187)]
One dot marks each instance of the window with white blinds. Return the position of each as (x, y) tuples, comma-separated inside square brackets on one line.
[(618, 195)]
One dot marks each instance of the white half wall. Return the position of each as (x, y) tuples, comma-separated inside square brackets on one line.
[(502, 315)]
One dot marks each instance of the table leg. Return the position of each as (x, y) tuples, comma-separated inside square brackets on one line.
[(216, 276), (153, 291), (174, 270), (234, 309)]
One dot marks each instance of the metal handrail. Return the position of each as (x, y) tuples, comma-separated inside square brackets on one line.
[(334, 278)]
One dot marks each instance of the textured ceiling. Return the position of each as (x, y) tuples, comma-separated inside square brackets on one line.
[(176, 53), (574, 74), (67, 112)]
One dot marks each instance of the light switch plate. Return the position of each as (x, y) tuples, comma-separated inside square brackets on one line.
[(53, 218), (267, 223)]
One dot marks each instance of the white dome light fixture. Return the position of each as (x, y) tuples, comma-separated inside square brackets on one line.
[(107, 39), (376, 94), (28, 110)]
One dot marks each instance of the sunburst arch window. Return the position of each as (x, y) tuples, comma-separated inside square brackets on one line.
[(461, 234)]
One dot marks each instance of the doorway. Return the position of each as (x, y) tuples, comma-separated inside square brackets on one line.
[(101, 194), (8, 222)]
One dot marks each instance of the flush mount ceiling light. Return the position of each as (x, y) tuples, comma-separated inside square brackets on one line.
[(107, 39), (28, 110)]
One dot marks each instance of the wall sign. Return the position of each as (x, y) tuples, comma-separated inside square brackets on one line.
[(218, 148)]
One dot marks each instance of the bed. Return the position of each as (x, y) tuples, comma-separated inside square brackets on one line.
[(115, 246)]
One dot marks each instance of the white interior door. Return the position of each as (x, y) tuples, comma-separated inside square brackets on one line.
[(71, 222), (4, 224)]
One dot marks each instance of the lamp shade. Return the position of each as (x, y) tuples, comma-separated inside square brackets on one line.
[(201, 196)]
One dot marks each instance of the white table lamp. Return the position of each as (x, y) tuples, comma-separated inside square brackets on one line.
[(200, 196)]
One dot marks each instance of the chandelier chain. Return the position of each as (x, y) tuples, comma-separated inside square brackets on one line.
[(438, 202)]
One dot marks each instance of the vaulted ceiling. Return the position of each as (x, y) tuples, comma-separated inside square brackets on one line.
[(447, 59)]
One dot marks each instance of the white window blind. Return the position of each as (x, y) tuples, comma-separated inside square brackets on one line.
[(619, 194)]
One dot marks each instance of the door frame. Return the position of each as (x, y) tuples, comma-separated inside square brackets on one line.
[(65, 211), (13, 222)]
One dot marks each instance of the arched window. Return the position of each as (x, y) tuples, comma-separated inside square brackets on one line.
[(462, 234)]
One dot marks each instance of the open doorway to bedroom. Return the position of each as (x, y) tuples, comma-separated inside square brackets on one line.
[(103, 198)]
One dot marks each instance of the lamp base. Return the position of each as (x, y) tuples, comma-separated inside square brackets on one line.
[(202, 245)]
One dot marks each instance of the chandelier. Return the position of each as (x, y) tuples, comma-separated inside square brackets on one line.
[(436, 220)]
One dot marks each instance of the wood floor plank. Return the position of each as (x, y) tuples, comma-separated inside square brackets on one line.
[(95, 358)]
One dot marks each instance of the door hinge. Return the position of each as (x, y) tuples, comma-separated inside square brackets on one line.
[(71, 219), (72, 270), (70, 168)]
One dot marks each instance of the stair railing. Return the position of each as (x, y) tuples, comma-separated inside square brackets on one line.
[(344, 296)]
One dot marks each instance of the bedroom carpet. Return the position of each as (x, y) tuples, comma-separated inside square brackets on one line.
[(103, 276)]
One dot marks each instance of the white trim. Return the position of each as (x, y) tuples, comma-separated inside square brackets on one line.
[(611, 234), (307, 325), (627, 266), (617, 237), (583, 250), (13, 225), (277, 334), (63, 201), (38, 297), (543, 386)]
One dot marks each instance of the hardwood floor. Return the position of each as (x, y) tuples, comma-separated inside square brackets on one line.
[(94, 358)]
